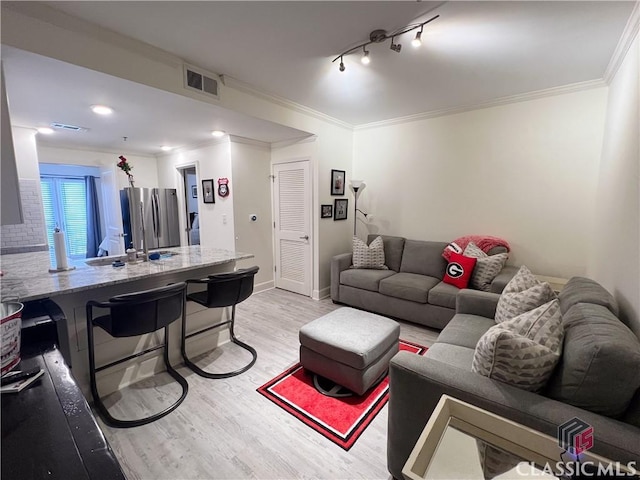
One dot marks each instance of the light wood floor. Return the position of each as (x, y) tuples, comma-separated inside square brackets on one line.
[(225, 429)]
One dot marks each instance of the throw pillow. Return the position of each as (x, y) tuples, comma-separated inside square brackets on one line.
[(371, 256), (523, 351), (487, 266), (459, 270), (523, 293)]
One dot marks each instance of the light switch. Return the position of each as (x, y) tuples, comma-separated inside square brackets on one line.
[(224, 218)]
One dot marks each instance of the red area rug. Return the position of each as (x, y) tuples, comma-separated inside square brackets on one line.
[(341, 420)]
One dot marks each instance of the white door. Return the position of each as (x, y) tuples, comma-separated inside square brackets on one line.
[(292, 208), (112, 213)]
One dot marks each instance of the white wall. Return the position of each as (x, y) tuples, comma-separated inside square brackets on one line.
[(251, 193), (144, 171), (526, 172), (212, 161), (616, 250)]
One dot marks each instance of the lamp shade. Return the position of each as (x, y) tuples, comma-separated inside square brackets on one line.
[(356, 184)]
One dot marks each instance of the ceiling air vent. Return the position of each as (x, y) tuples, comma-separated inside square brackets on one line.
[(68, 128), (201, 81)]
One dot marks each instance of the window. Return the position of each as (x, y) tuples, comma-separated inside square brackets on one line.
[(64, 200)]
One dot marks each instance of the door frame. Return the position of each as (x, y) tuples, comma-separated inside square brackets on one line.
[(310, 213), (182, 204)]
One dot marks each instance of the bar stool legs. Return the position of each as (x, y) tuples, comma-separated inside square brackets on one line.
[(240, 343), (223, 290), (104, 413)]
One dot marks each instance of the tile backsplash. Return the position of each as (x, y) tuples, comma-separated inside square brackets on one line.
[(30, 235)]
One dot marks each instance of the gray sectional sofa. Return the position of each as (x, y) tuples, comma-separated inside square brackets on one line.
[(412, 288), (597, 379)]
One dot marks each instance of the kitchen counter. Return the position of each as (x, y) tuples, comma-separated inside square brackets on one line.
[(26, 276)]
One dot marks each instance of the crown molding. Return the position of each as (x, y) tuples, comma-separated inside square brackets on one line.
[(241, 86), (43, 12), (249, 141), (293, 141), (523, 97), (624, 44)]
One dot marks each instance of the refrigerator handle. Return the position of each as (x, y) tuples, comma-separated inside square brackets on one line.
[(156, 215)]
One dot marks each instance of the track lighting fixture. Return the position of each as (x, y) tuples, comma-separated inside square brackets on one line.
[(379, 36), (365, 57)]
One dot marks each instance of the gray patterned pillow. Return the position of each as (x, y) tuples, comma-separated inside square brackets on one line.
[(523, 293), (371, 256), (523, 351), (487, 267)]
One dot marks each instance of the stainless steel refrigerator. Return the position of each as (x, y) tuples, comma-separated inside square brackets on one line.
[(159, 209)]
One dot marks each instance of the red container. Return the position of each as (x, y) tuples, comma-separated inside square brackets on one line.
[(10, 326)]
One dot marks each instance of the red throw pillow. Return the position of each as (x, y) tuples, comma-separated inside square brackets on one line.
[(459, 270)]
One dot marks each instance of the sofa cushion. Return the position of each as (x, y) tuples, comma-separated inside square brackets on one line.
[(523, 293), (368, 256), (585, 290), (600, 367), (408, 286), (364, 279), (487, 267), (393, 247), (524, 350), (443, 295), (453, 355), (423, 258), (459, 270), (465, 330)]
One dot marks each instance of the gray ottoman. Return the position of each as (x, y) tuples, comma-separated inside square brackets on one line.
[(349, 347)]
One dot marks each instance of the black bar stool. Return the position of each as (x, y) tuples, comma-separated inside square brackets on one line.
[(135, 314), (223, 290)]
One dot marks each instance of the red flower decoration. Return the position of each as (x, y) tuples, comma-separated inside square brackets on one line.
[(123, 165)]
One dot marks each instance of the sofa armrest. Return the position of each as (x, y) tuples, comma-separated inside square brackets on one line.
[(504, 277), (475, 302), (339, 263), (416, 384)]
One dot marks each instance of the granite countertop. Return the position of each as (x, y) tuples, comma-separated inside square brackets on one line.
[(26, 275)]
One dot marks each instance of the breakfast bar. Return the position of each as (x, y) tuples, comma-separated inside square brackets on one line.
[(26, 278)]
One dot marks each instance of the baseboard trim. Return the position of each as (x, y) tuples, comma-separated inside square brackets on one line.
[(261, 287), (321, 294)]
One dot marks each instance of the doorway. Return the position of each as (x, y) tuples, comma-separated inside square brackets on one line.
[(293, 236), (190, 181)]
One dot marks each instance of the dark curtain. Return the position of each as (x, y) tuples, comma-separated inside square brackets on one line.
[(94, 233)]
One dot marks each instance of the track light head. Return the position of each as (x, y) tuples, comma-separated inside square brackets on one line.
[(365, 57), (396, 47), (416, 42), (341, 65)]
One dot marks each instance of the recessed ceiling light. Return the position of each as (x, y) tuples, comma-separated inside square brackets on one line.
[(102, 109), (166, 148), (218, 133), (45, 130)]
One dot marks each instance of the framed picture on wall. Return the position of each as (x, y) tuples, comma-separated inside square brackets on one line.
[(326, 211), (340, 208), (194, 191), (208, 191), (338, 178)]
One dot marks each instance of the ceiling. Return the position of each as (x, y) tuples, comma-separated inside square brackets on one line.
[(42, 90), (474, 53)]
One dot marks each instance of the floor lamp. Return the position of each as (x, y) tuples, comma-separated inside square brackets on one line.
[(357, 186)]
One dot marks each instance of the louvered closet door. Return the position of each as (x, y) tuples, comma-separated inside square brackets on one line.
[(292, 204)]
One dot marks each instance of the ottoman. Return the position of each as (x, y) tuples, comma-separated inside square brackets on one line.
[(349, 347)]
